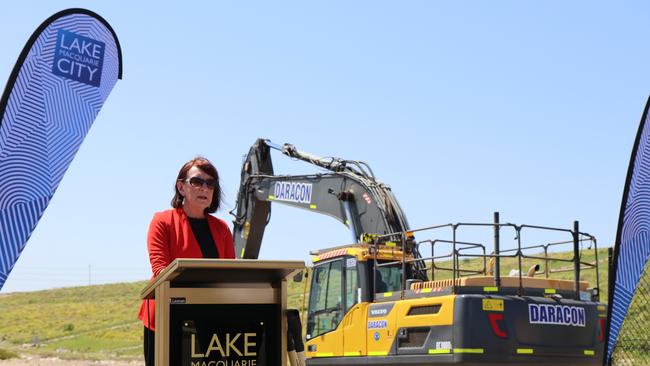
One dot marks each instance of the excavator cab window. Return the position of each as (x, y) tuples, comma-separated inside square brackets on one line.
[(352, 290), (325, 300), (389, 278)]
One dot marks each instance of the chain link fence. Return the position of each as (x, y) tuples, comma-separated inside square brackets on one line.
[(633, 345)]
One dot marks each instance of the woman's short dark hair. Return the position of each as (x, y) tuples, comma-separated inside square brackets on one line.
[(206, 166)]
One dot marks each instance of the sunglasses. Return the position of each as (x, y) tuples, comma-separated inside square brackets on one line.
[(197, 182)]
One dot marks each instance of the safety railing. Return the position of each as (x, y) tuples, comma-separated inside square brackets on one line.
[(486, 262)]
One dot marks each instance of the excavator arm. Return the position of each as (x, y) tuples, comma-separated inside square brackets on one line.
[(347, 191)]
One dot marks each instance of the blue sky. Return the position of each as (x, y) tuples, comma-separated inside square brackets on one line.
[(463, 108)]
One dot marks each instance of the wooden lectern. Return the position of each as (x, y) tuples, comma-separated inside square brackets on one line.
[(221, 312)]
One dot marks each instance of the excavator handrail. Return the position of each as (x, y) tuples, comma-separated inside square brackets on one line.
[(458, 247)]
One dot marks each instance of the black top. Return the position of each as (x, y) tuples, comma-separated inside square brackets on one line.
[(202, 234)]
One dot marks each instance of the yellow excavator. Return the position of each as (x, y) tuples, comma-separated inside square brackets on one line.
[(429, 296)]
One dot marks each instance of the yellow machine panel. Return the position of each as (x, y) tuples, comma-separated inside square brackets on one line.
[(435, 311), (422, 312), (354, 330), (348, 339), (359, 334), (326, 345), (381, 328)]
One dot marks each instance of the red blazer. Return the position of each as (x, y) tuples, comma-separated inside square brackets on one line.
[(170, 236)]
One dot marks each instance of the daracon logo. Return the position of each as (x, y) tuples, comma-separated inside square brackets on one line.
[(78, 58), (556, 314), (293, 192)]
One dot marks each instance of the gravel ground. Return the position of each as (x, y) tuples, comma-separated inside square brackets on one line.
[(35, 361)]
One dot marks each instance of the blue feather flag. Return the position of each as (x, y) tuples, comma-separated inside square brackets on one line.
[(62, 78), (632, 247)]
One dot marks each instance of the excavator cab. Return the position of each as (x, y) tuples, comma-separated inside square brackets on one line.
[(340, 283), (344, 282)]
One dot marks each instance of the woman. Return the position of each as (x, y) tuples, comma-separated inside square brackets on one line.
[(186, 231)]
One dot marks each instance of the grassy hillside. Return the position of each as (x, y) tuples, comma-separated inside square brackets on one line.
[(100, 322), (90, 322), (93, 321)]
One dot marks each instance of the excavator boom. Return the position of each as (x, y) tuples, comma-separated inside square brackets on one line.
[(346, 190)]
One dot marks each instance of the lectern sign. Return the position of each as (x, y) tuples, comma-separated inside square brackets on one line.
[(225, 335), (233, 346)]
